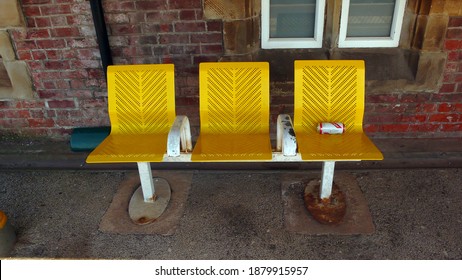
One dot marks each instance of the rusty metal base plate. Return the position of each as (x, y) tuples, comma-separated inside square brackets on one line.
[(357, 219), (142, 212)]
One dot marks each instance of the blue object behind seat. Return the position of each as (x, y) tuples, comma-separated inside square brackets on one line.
[(88, 138)]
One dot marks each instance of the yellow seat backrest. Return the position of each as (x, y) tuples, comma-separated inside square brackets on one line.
[(329, 91), (234, 97), (141, 98)]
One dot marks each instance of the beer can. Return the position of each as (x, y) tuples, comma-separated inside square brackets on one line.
[(331, 128)]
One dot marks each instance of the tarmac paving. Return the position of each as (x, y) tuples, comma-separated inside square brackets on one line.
[(56, 204)]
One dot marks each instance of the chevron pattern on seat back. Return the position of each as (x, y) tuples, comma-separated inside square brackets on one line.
[(234, 97), (329, 91), (141, 98)]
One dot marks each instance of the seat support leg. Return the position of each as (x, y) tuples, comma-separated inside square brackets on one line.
[(327, 178), (148, 203), (147, 183)]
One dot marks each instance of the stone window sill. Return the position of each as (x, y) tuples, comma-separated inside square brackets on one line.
[(387, 70)]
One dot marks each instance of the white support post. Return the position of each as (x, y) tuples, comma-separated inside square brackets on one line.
[(327, 178), (179, 137), (286, 141), (147, 183)]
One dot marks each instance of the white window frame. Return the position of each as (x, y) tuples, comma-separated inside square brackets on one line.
[(371, 42), (292, 43)]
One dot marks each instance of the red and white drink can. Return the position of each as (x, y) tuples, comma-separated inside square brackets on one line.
[(331, 128)]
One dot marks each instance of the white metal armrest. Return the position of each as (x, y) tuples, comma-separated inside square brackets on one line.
[(179, 137), (286, 141)]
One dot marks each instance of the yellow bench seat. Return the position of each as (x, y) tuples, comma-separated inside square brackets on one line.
[(119, 148), (234, 112), (345, 147), (144, 127), (331, 91), (232, 147), (141, 107)]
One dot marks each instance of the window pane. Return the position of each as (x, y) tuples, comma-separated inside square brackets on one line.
[(370, 18), (292, 18)]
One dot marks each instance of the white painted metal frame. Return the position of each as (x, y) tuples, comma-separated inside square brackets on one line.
[(147, 183), (287, 144), (286, 141), (292, 43), (179, 145), (179, 139), (372, 42), (327, 179)]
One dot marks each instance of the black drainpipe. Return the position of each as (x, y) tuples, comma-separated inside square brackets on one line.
[(101, 33)]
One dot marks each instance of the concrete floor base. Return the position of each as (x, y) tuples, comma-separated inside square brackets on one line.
[(117, 220), (231, 215), (297, 219)]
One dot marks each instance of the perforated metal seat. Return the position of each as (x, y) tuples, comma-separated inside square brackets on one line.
[(234, 112), (141, 110), (331, 91)]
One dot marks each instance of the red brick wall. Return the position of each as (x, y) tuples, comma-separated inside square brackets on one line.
[(423, 114), (60, 48)]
